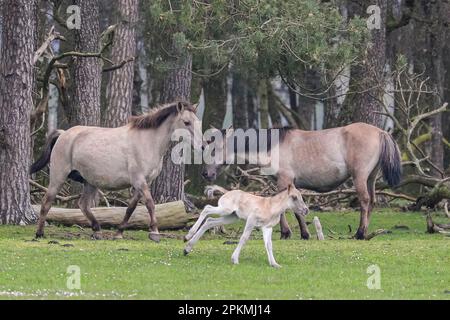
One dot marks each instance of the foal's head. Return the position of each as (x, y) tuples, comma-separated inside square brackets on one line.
[(295, 201)]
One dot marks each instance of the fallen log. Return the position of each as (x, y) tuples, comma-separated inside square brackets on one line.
[(170, 216), (436, 227)]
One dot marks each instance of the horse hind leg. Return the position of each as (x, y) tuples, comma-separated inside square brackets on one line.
[(55, 184), (85, 203), (131, 207), (361, 185)]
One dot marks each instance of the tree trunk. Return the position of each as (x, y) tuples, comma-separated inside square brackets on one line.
[(215, 90), (16, 102), (429, 39), (274, 112), (85, 109), (169, 185), (263, 104), (119, 93), (367, 78), (239, 101)]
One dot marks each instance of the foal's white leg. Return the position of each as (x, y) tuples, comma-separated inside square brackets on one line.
[(210, 223), (267, 235), (208, 210), (245, 236)]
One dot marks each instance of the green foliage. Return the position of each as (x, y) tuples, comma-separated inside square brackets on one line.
[(264, 37), (414, 265)]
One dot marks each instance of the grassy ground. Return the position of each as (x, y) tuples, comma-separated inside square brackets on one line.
[(413, 264)]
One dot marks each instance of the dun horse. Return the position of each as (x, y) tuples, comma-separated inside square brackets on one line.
[(115, 158), (257, 211), (323, 160)]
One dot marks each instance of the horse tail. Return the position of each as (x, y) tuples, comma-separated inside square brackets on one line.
[(210, 190), (390, 159), (45, 157)]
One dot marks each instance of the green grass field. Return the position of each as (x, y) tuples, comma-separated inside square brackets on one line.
[(413, 264)]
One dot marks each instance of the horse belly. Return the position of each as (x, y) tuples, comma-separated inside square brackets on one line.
[(322, 179)]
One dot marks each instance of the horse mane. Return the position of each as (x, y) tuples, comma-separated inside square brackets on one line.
[(158, 115), (283, 131)]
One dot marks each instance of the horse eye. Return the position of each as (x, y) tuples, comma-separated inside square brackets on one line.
[(187, 123), (294, 198)]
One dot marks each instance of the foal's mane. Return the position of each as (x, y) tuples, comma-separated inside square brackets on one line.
[(157, 116)]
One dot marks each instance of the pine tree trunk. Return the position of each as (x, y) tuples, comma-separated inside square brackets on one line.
[(215, 90), (169, 185), (119, 93), (263, 104), (367, 78), (16, 85), (239, 101), (429, 38), (87, 73)]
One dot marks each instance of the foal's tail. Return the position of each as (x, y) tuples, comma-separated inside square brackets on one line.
[(45, 157), (210, 190), (390, 159)]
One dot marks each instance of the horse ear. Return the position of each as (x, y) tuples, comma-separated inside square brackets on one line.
[(180, 107), (195, 107), (289, 189)]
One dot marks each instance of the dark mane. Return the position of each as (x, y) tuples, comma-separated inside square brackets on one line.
[(157, 116), (281, 131)]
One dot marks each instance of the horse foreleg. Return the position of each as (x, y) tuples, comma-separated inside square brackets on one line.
[(267, 235), (364, 199), (304, 232), (283, 181), (284, 227), (85, 203), (244, 238), (150, 204), (130, 209)]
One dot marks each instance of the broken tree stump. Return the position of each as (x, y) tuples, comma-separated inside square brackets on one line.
[(170, 216), (318, 227)]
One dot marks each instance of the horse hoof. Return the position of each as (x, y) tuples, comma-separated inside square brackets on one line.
[(118, 236), (276, 266), (286, 235), (305, 236), (359, 236), (185, 252), (154, 237), (39, 235), (96, 236)]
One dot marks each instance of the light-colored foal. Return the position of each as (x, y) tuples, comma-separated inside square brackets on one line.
[(262, 212)]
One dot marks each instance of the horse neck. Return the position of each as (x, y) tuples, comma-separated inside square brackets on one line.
[(159, 138), (279, 202)]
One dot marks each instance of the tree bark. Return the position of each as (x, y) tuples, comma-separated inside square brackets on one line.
[(16, 102), (87, 73), (215, 90), (263, 104), (367, 78), (239, 101), (119, 93), (428, 43), (169, 185)]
